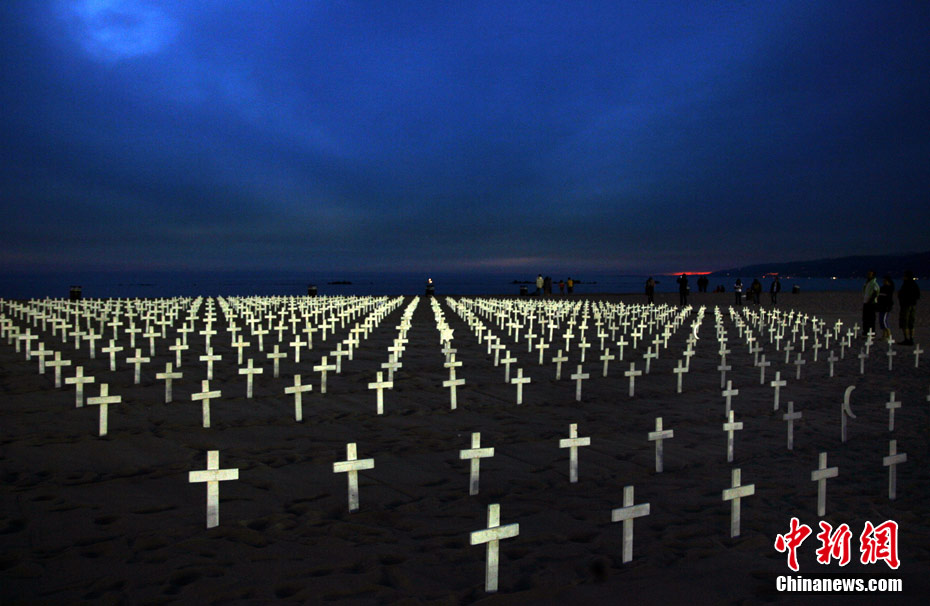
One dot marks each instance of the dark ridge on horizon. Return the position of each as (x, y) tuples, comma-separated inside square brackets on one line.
[(840, 267)]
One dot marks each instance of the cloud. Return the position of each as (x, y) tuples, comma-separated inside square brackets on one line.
[(117, 30)]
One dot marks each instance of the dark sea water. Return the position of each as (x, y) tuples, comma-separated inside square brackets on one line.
[(174, 284)]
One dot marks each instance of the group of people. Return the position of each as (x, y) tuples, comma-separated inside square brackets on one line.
[(879, 300), (754, 292), (544, 286)]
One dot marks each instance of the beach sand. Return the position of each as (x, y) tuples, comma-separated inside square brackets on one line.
[(114, 520)]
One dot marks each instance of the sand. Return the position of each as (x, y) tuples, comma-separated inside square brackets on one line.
[(113, 519)]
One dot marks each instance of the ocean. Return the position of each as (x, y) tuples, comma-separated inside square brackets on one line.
[(186, 284)]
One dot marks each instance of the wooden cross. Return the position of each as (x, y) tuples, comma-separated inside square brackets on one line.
[(206, 395), (627, 514), (734, 494), (621, 343), (862, 358), (578, 377), (658, 436), (492, 535), (380, 385), (474, 455), (679, 370), (351, 466), (210, 358), (820, 475), (893, 458), (57, 363), (104, 400), (167, 377), (558, 359), (297, 389), (250, 371), (632, 373), (891, 354), (917, 352), (891, 405), (78, 380), (846, 411), (213, 475), (391, 366), (791, 417), (583, 346), (788, 349), (323, 368), (339, 354), (730, 426), (723, 368), (572, 443), (519, 381), (649, 356), (297, 344)]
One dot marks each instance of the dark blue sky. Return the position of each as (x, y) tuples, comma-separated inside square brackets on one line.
[(430, 136)]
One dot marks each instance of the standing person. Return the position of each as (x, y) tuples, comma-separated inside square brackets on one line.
[(561, 287), (702, 284), (683, 289), (547, 285), (755, 289), (907, 297), (774, 290), (738, 291), (651, 291), (883, 304), (571, 285), (869, 295), (539, 285)]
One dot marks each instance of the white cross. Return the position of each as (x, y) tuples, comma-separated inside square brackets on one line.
[(649, 356), (845, 412), (507, 361), (621, 343), (798, 363), (893, 458), (297, 389), (380, 385), (917, 352), (831, 359), (627, 514), (632, 373), (474, 455), (558, 359), (730, 426), (391, 366), (104, 400), (658, 436), (323, 368), (791, 417), (777, 383), (78, 381), (297, 344), (728, 393), (542, 346), (891, 405), (167, 377), (452, 384), (57, 363), (213, 475), (240, 345), (572, 443), (210, 358), (249, 371), (578, 377), (519, 381), (763, 364), (891, 354), (820, 475), (723, 368), (352, 465), (583, 346), (605, 358), (206, 395), (276, 356), (137, 362), (734, 494), (492, 535), (177, 348), (679, 370), (862, 358)]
